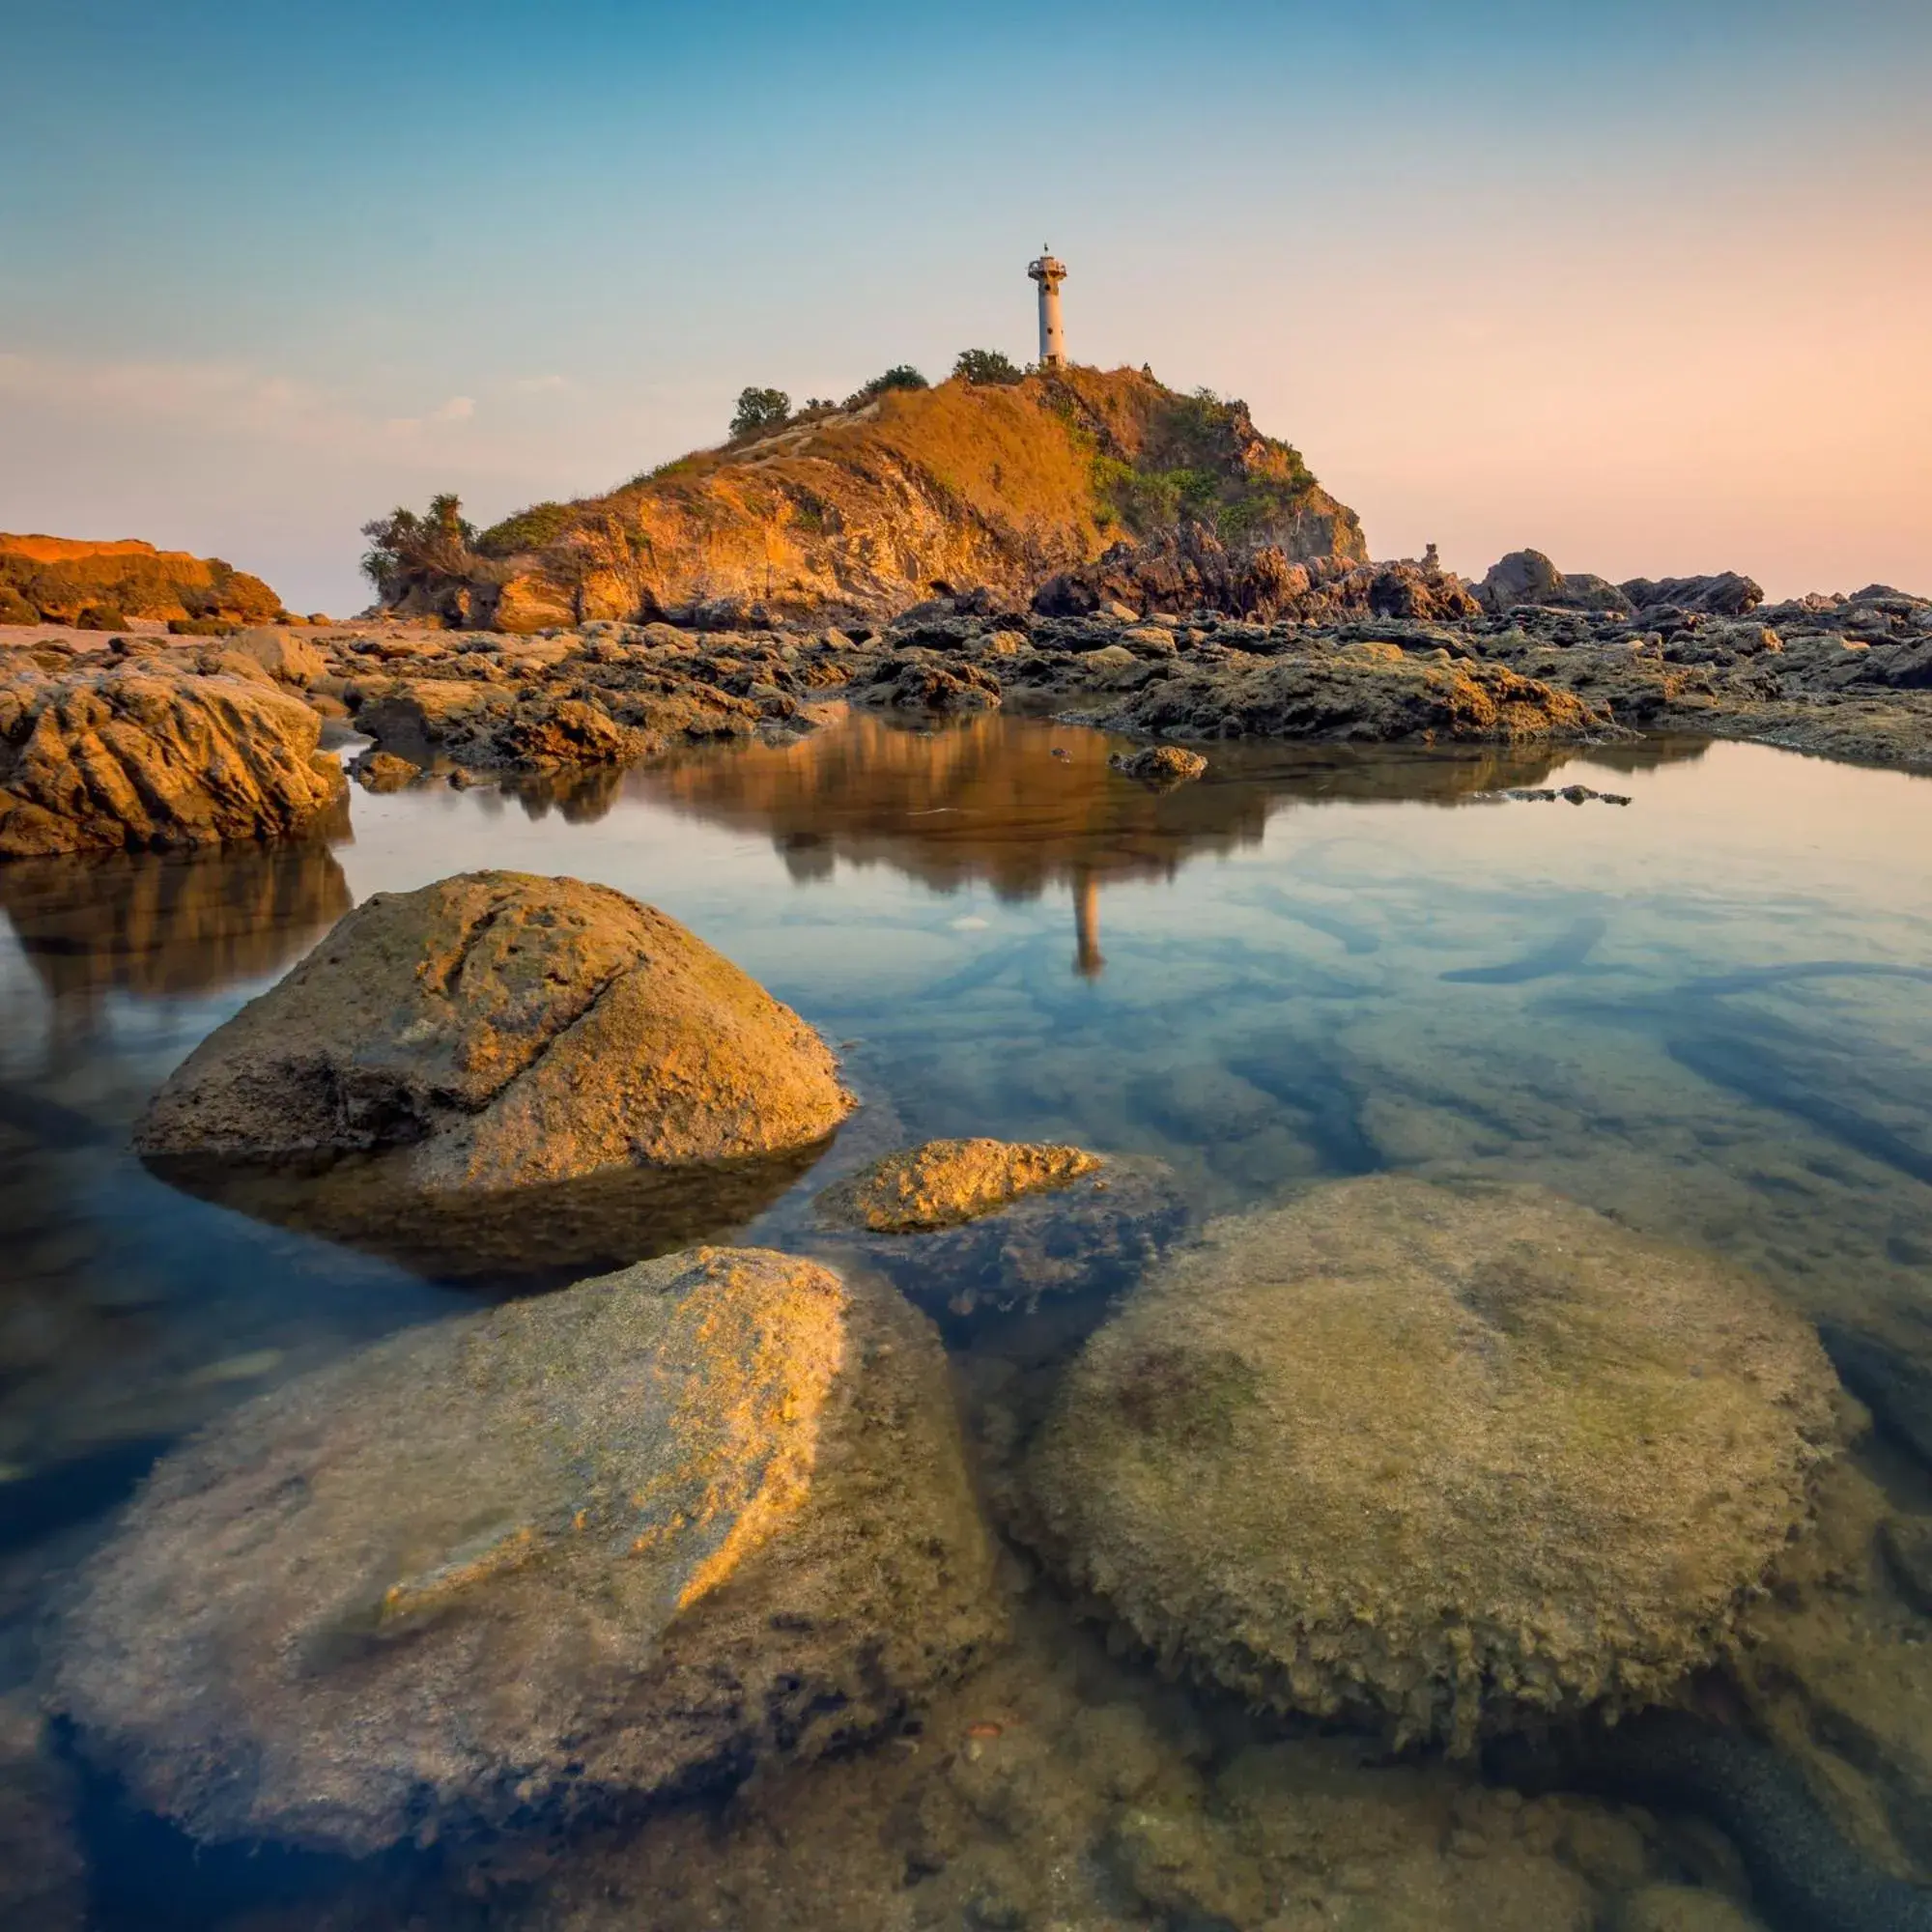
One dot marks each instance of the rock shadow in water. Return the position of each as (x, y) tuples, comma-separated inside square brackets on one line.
[(541, 1236)]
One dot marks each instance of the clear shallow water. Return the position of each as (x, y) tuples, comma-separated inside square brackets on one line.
[(1708, 1012)]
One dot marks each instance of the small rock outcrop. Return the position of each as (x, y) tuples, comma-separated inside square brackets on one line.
[(385, 772), (1436, 1459), (496, 1029), (1366, 693), (965, 1224), (1160, 766), (1726, 594), (635, 1537), (918, 681), (145, 755)]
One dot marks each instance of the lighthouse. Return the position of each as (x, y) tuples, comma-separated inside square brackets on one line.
[(1049, 272)]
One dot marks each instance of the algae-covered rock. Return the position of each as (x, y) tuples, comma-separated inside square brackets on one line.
[(499, 1030), (625, 1539), (965, 1223), (1436, 1459), (1683, 1908)]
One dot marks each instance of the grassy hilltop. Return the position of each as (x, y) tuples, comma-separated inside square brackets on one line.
[(862, 509)]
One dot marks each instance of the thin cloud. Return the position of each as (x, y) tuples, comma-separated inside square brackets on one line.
[(220, 398)]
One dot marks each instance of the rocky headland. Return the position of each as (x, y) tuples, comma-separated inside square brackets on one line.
[(103, 586), (854, 513)]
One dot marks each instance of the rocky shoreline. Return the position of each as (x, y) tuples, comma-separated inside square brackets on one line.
[(106, 748)]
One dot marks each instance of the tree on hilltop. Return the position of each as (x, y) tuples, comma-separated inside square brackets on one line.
[(760, 408), (987, 365), (405, 548)]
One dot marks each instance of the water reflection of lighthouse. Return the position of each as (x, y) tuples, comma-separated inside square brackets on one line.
[(1088, 960)]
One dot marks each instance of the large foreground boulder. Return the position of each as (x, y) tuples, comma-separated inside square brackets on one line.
[(1434, 1460), (632, 1538), (965, 1224), (144, 754), (498, 1030)]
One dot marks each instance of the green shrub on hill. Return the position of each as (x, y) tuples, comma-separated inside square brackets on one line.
[(901, 376), (529, 529), (987, 365)]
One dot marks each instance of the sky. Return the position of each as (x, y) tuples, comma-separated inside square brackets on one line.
[(1647, 286)]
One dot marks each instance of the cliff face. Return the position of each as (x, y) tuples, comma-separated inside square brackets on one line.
[(856, 514), (69, 580)]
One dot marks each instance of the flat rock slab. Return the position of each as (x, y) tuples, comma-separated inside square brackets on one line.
[(622, 1540), (1436, 1459)]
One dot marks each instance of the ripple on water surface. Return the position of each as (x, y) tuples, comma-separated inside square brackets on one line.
[(1709, 1015)]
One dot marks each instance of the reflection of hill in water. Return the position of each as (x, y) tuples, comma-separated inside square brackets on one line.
[(170, 923), (1022, 804)]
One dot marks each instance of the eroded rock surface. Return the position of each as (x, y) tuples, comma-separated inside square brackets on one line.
[(499, 1030), (1434, 1459), (630, 1538), (102, 759)]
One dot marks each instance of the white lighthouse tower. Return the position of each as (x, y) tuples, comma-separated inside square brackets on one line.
[(1049, 272)]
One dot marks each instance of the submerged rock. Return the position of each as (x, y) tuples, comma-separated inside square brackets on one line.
[(498, 1030), (147, 755), (984, 1222), (632, 1538), (1160, 766), (384, 772), (943, 1184), (1437, 1460)]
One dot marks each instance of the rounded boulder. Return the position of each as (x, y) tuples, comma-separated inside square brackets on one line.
[(500, 1029)]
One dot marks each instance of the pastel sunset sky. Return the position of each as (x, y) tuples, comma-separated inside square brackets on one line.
[(1645, 285)]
